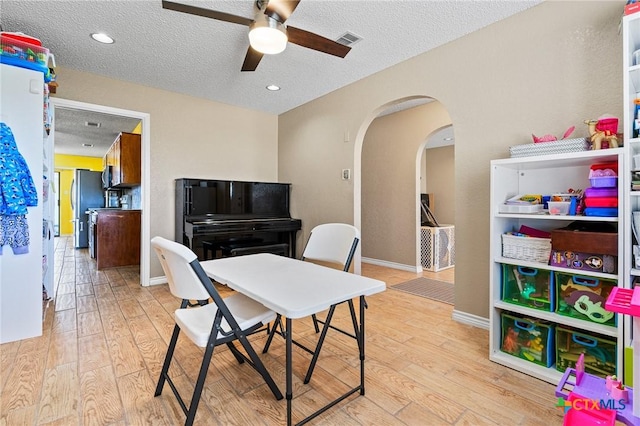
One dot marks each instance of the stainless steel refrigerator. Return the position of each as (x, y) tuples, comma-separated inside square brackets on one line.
[(86, 193)]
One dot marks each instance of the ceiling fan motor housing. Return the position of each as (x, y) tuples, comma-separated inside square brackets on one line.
[(266, 35), (273, 14)]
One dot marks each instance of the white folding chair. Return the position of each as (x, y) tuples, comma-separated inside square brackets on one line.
[(207, 324), (333, 245)]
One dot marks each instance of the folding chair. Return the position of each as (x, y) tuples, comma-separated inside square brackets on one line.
[(330, 244), (207, 324)]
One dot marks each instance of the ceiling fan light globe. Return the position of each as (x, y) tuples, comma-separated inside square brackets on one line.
[(268, 36)]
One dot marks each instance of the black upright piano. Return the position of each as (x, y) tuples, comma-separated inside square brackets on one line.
[(223, 217)]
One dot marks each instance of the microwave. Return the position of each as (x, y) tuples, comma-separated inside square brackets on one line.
[(106, 177)]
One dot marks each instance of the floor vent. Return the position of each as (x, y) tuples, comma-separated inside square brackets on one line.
[(349, 39)]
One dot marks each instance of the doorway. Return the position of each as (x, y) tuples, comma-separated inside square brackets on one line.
[(387, 158), (58, 103), (437, 183)]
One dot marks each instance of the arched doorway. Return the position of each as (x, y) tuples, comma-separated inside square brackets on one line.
[(387, 188)]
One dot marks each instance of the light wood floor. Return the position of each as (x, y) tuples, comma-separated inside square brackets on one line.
[(105, 338)]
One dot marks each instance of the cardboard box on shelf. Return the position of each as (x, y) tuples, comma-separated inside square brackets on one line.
[(584, 261)]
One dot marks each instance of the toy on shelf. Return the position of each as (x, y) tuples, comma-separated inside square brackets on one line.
[(604, 129), (510, 343), (584, 297), (551, 138)]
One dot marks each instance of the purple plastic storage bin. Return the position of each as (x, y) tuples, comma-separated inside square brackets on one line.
[(600, 192), (604, 181)]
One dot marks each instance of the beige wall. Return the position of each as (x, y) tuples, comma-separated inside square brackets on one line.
[(439, 177), (391, 155), (540, 71), (190, 137)]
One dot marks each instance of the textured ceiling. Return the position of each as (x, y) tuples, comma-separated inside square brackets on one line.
[(72, 133), (202, 57)]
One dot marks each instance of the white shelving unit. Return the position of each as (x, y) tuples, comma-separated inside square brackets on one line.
[(546, 174)]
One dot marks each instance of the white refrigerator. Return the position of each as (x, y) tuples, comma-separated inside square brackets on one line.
[(21, 275)]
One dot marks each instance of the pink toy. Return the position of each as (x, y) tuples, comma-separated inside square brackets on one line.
[(611, 391), (581, 415), (549, 138), (603, 130), (618, 393)]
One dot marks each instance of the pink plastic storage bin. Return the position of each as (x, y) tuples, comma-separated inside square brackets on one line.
[(601, 201)]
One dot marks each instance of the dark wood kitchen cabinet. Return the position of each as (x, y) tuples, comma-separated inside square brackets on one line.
[(117, 238), (124, 157)]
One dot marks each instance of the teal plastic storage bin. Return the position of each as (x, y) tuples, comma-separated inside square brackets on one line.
[(528, 339), (531, 287)]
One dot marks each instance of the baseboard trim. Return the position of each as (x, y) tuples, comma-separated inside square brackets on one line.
[(470, 319), (158, 280), (392, 265)]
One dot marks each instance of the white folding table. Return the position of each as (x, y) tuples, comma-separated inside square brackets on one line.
[(295, 289)]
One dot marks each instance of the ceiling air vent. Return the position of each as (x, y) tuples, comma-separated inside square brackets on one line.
[(92, 124), (349, 39)]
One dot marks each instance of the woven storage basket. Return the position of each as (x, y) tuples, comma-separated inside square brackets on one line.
[(526, 248)]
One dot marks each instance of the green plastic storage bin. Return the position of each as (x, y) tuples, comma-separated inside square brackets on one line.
[(583, 297), (600, 352), (530, 287)]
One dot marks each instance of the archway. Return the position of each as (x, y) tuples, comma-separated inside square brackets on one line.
[(386, 179)]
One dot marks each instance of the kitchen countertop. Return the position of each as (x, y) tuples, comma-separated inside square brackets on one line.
[(99, 209)]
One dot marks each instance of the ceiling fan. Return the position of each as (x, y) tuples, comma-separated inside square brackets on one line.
[(268, 34)]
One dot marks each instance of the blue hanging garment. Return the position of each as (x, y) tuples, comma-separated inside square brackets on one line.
[(17, 192)]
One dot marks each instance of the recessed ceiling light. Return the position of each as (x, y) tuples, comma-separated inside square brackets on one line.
[(87, 145), (102, 38), (448, 139), (273, 87)]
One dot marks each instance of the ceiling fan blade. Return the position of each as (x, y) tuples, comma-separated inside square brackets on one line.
[(280, 10), (316, 42), (206, 13), (252, 59)]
